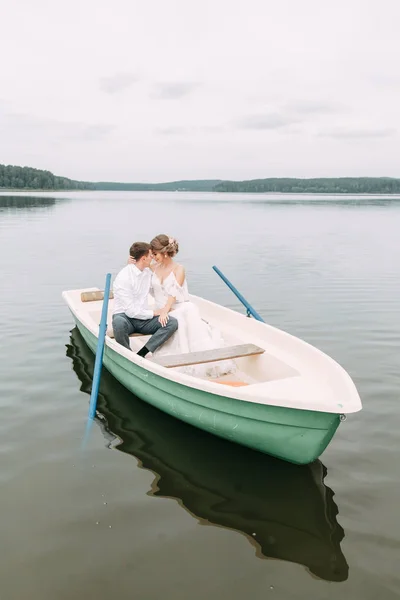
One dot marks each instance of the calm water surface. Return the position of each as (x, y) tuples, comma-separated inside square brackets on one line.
[(153, 508)]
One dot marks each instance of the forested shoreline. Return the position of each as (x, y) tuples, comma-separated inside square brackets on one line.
[(26, 178)]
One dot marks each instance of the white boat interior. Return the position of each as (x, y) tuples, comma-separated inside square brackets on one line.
[(285, 371)]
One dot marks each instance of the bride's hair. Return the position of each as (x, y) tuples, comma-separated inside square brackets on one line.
[(165, 245)]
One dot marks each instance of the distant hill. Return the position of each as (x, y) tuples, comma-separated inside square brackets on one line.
[(201, 185), (26, 178), (336, 185)]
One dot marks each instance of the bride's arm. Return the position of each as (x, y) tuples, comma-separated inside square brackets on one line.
[(180, 275), (163, 318), (180, 278)]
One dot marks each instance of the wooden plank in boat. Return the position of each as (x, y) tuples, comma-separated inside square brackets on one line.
[(110, 333), (93, 296), (205, 356)]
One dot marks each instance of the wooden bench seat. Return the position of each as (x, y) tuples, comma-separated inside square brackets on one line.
[(205, 356), (95, 296), (110, 333)]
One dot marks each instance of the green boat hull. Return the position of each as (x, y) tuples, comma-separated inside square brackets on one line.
[(296, 436)]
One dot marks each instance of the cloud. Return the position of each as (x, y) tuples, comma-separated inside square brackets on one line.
[(315, 107), (26, 126), (212, 128), (173, 130), (93, 132), (118, 82), (358, 133), (198, 130), (173, 90), (290, 116), (389, 78), (268, 121), (219, 86)]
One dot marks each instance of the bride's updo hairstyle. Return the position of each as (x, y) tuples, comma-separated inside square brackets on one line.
[(164, 245)]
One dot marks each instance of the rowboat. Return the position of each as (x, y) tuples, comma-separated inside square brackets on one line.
[(286, 399), (285, 511)]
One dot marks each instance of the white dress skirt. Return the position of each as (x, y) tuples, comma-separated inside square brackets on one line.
[(193, 334)]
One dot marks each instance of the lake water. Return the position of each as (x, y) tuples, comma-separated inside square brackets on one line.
[(153, 508)]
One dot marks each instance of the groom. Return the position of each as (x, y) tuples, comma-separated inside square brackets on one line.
[(131, 311)]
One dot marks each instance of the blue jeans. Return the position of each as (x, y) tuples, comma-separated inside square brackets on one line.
[(123, 326)]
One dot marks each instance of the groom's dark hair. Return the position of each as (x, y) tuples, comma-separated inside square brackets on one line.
[(139, 249)]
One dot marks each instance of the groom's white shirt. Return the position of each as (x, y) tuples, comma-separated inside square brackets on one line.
[(131, 289)]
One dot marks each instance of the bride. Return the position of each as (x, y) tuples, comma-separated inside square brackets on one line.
[(170, 291)]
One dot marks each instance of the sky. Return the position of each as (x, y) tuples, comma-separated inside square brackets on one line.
[(161, 90)]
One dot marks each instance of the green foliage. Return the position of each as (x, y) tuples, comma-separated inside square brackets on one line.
[(202, 185), (26, 178), (341, 185)]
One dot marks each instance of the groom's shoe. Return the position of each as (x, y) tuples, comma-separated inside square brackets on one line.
[(143, 351)]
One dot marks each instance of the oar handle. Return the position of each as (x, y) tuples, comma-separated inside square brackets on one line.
[(100, 349), (249, 308)]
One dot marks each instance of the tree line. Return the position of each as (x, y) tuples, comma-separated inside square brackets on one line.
[(339, 185), (27, 178)]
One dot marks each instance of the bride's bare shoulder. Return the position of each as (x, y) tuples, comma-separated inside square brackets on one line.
[(178, 268), (179, 272)]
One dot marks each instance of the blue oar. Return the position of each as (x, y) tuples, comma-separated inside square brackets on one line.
[(249, 308), (99, 356), (100, 349)]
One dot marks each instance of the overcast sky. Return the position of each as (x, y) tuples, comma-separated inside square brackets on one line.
[(156, 90)]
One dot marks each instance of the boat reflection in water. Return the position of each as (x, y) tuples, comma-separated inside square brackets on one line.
[(285, 510)]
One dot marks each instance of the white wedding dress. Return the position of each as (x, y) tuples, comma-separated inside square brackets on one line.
[(193, 334)]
